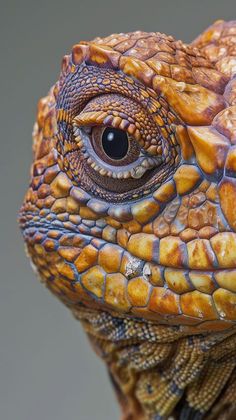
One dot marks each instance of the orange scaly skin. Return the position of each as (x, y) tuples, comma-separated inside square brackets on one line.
[(143, 251)]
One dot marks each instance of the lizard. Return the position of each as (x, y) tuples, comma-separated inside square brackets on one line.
[(130, 219)]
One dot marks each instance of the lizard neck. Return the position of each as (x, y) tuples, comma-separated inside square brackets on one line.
[(164, 370)]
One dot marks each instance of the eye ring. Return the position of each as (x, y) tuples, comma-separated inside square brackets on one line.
[(115, 179), (132, 166)]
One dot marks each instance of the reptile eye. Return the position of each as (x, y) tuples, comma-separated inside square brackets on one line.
[(114, 146), (111, 154), (115, 143)]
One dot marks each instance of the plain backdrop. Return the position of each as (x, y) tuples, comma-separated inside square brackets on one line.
[(47, 369)]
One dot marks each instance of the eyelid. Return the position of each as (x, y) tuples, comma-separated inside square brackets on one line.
[(120, 112), (92, 118), (153, 146), (133, 170)]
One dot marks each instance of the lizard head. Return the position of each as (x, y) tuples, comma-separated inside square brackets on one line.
[(131, 205)]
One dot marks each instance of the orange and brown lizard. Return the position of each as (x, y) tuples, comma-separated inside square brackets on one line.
[(130, 216)]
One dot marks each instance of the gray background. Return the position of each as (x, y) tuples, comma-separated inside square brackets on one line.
[(47, 369)]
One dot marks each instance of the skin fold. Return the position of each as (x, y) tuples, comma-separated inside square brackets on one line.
[(143, 249)]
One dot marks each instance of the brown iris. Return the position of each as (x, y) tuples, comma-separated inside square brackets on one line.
[(114, 146)]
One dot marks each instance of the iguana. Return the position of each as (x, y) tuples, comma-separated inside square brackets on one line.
[(130, 216)]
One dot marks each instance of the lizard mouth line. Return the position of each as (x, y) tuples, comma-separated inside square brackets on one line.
[(30, 229)]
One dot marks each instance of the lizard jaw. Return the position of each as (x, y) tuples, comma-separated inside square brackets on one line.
[(83, 270)]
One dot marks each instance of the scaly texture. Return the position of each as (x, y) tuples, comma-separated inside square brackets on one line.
[(130, 219)]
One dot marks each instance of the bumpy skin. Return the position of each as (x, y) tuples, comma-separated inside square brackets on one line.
[(145, 259)]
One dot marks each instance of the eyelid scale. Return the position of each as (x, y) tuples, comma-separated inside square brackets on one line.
[(123, 113)]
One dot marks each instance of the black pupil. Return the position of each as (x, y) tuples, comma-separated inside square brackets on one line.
[(115, 143)]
